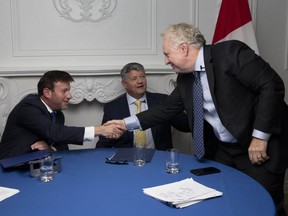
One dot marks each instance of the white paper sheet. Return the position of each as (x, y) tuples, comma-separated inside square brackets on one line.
[(182, 193), (7, 192)]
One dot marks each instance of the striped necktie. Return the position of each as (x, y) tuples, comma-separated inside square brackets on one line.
[(198, 116), (140, 136)]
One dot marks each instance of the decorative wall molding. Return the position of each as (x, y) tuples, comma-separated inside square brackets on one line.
[(3, 89), (4, 112), (102, 89), (286, 49), (92, 88), (253, 8), (195, 13), (217, 11), (106, 90), (98, 40), (4, 106), (80, 71), (85, 10)]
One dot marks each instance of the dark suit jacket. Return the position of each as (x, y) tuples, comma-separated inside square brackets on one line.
[(29, 122), (247, 94), (119, 109)]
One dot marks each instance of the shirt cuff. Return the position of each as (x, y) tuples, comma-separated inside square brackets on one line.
[(89, 133), (261, 135), (132, 123)]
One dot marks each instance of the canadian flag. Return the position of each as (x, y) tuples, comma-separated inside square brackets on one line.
[(235, 23)]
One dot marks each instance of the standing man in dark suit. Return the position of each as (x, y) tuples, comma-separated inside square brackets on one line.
[(30, 127), (135, 83), (245, 116)]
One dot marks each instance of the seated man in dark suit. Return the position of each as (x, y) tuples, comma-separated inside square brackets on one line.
[(135, 83), (30, 127)]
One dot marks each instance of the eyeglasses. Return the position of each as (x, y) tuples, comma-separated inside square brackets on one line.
[(116, 162)]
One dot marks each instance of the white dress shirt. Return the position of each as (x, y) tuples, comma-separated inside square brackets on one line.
[(210, 113)]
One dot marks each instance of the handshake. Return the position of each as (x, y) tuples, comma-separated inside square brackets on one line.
[(112, 129)]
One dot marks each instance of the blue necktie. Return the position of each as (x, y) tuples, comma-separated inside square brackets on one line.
[(198, 116), (53, 116)]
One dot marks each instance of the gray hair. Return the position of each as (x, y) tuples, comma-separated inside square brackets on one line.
[(129, 67), (184, 33)]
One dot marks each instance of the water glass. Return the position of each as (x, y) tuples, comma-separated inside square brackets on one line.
[(172, 161), (46, 169), (139, 155)]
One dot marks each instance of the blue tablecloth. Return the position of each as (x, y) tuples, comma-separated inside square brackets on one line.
[(88, 186)]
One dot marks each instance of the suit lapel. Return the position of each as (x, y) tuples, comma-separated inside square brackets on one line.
[(151, 102), (185, 89), (123, 106)]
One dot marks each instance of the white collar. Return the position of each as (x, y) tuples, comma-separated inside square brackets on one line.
[(131, 99), (48, 108), (199, 64)]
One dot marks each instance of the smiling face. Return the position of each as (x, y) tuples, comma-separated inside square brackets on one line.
[(135, 83), (181, 58), (58, 98)]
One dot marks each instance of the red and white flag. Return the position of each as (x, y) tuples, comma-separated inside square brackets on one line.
[(235, 23)]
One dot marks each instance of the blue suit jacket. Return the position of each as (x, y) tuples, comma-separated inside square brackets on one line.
[(119, 109), (29, 122)]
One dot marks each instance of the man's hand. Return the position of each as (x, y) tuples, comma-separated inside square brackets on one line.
[(111, 131), (41, 145), (119, 123), (257, 151)]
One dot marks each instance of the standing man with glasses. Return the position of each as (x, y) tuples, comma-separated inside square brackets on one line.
[(135, 100), (244, 114), (37, 121)]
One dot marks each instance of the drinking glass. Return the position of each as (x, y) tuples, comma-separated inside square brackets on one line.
[(46, 169), (172, 161)]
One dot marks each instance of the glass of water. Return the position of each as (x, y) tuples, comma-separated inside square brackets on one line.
[(139, 155), (172, 161), (46, 169)]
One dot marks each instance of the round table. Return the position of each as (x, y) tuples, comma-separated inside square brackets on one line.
[(88, 186)]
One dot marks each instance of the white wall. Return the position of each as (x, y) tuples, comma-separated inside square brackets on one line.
[(272, 35)]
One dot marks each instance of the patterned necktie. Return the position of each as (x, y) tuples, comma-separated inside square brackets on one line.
[(198, 116), (140, 136), (53, 116)]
